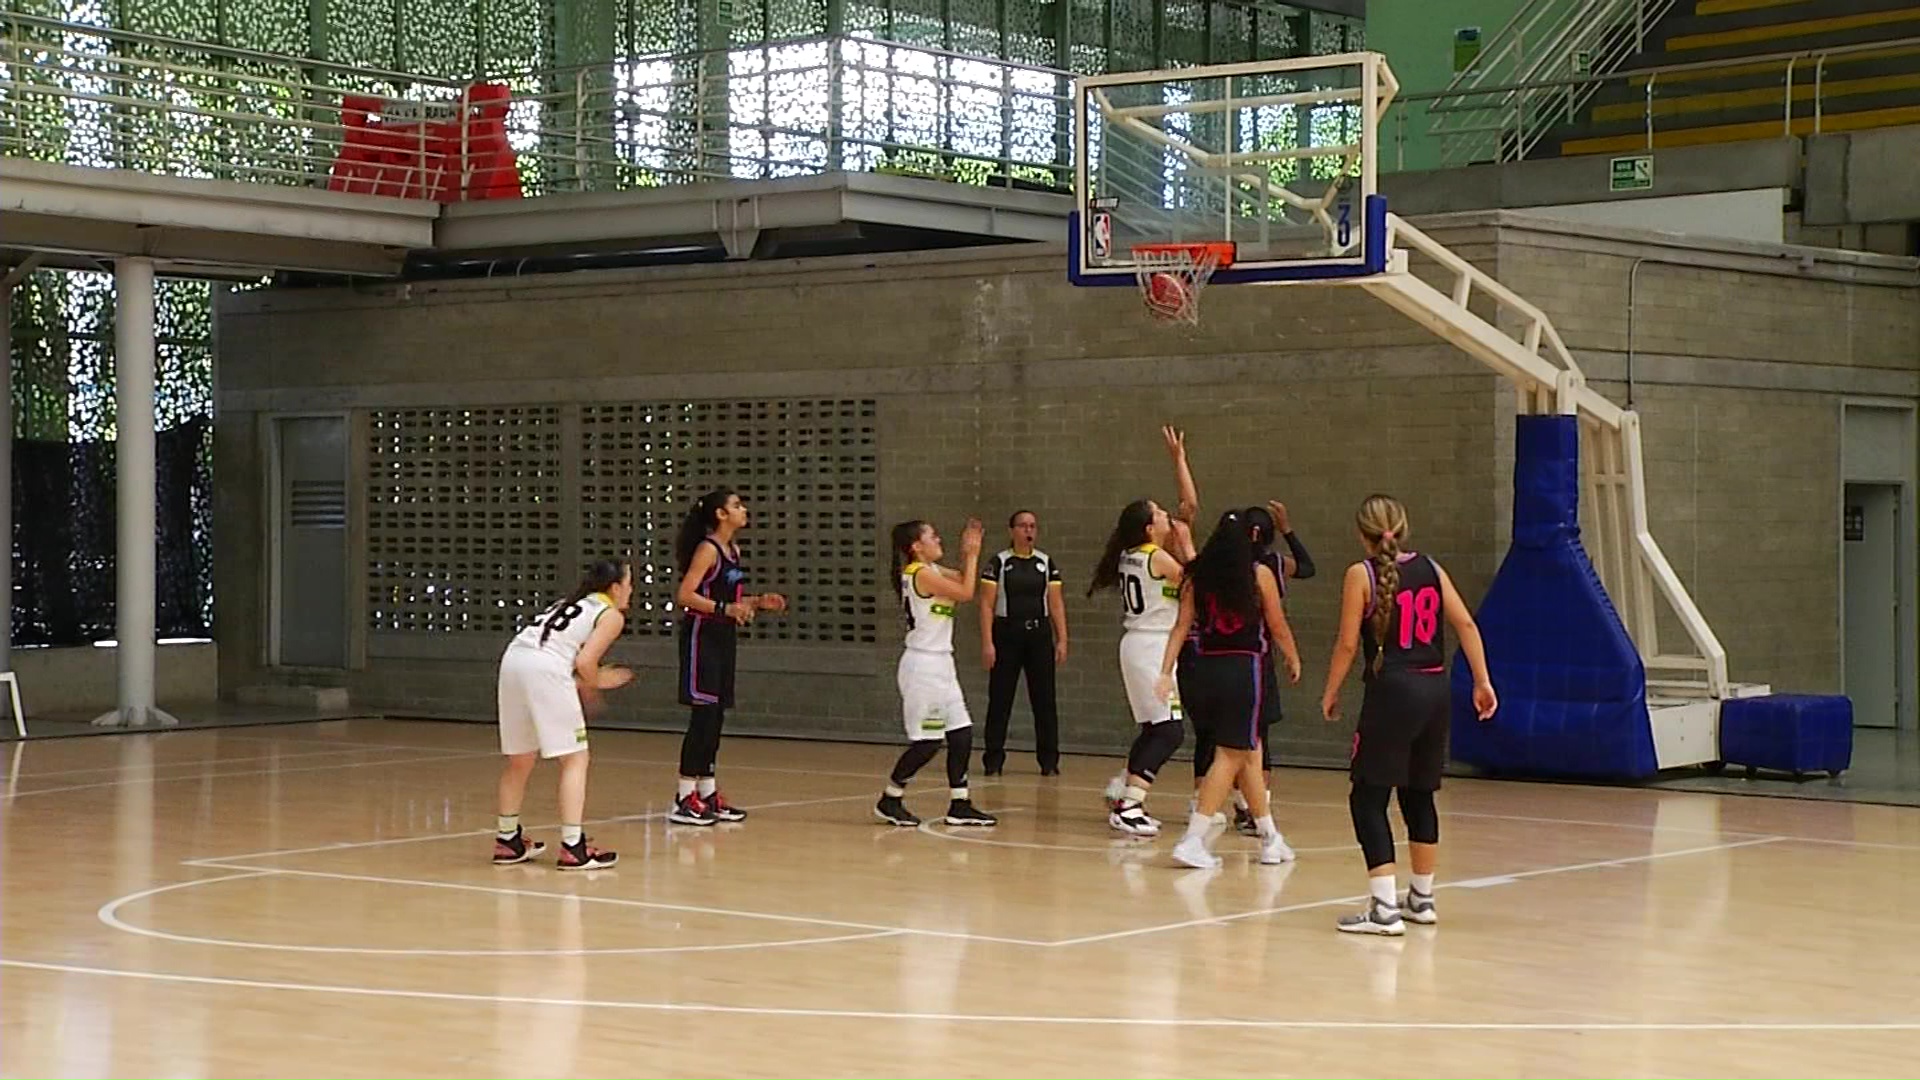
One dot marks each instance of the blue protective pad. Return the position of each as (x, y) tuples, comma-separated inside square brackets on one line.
[(1573, 692), (1788, 732)]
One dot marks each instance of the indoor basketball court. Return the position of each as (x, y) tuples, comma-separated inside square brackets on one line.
[(314, 895), (315, 900)]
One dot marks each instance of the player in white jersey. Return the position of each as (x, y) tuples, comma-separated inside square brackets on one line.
[(1138, 563), (931, 703), (549, 674)]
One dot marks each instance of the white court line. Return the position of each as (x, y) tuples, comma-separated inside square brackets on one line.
[(621, 901), (988, 1018), (1118, 843), (1334, 805), (216, 762), (1357, 898), (349, 845), (109, 914), (252, 772)]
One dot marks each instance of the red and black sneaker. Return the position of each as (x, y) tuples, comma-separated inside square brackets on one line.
[(724, 810), (517, 850), (691, 809), (582, 856)]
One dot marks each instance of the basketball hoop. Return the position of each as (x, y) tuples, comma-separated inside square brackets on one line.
[(1172, 275)]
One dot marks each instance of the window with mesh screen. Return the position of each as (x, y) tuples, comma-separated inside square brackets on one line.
[(807, 470), (464, 518)]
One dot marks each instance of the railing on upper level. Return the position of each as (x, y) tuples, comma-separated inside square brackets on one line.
[(1803, 99), (114, 99), (1520, 84)]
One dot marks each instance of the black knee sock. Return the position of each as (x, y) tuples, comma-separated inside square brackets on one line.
[(1152, 748), (1421, 816), (1368, 804), (959, 754), (912, 760)]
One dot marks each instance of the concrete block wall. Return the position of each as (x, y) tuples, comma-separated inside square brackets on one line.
[(1000, 387)]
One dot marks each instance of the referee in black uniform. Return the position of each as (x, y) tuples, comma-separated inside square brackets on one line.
[(1023, 628)]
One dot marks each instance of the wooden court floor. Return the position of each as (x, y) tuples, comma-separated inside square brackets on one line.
[(317, 900)]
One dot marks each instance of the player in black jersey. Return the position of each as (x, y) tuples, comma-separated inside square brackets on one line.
[(1392, 605), (715, 604), (1232, 604), (1264, 525)]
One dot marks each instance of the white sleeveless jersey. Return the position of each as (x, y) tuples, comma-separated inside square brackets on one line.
[(1147, 602), (929, 618), (570, 632)]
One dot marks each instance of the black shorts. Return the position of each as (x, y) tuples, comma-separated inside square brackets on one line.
[(1402, 738), (706, 661), (1226, 697)]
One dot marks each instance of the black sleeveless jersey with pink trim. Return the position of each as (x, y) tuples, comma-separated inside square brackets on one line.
[(1416, 638)]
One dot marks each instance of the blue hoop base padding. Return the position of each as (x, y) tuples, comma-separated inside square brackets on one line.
[(1789, 732), (1573, 692)]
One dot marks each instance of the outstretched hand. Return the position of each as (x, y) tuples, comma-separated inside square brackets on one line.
[(971, 537)]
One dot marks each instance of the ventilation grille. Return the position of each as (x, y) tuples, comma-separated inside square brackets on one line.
[(317, 504)]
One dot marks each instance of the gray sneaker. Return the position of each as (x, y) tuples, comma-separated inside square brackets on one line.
[(1418, 907), (1378, 918)]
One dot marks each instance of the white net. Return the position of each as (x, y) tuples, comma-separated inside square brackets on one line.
[(1171, 277)]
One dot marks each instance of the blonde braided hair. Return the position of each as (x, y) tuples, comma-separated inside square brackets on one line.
[(1383, 521)]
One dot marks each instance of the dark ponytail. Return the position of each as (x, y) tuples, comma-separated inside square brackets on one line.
[(600, 577), (1221, 575), (1260, 529), (904, 536), (1129, 531), (699, 522)]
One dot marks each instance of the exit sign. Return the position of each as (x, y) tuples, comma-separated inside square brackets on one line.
[(1631, 173)]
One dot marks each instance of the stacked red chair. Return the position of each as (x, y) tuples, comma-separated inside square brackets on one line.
[(459, 160)]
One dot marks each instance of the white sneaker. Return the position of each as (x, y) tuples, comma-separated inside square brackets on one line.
[(1274, 851), (1192, 851), (1376, 918), (1418, 907), (1131, 819)]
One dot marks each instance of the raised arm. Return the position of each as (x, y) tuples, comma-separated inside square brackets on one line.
[(958, 589), (1188, 509), (1296, 562)]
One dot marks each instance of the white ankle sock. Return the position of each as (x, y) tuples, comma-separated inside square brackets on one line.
[(958, 794), (1135, 794), (571, 835), (895, 791), (1384, 890), (1198, 825), (506, 825), (707, 786), (1422, 883), (1266, 826), (685, 787), (1239, 799)]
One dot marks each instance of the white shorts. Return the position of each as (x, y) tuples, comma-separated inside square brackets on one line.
[(539, 705), (931, 701), (1140, 654)]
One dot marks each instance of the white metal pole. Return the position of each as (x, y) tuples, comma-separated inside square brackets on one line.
[(135, 480)]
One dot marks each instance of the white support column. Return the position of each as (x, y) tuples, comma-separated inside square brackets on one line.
[(14, 277), (135, 482)]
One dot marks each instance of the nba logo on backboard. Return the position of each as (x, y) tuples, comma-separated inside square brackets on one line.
[(1102, 234)]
